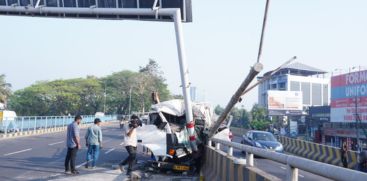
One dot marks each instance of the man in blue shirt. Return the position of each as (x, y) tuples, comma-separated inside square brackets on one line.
[(73, 144), (93, 139)]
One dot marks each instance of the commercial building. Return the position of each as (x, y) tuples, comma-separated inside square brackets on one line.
[(289, 93), (313, 84), (348, 113)]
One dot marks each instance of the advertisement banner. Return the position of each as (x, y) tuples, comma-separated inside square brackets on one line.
[(349, 97), (285, 100)]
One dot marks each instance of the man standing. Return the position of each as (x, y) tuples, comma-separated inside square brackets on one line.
[(344, 154), (130, 140), (73, 145), (93, 139)]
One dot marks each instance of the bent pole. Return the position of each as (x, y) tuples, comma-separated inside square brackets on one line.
[(190, 124), (256, 69)]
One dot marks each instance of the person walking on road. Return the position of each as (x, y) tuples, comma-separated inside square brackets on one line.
[(130, 140), (93, 139), (73, 145), (344, 154)]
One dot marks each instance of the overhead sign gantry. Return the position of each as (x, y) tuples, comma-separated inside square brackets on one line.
[(97, 9)]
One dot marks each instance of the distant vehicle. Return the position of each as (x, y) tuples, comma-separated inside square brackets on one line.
[(262, 139), (7, 121)]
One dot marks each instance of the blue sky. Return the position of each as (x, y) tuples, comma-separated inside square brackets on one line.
[(221, 43)]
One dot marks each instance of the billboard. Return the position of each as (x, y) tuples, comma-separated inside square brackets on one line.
[(285, 102), (348, 97)]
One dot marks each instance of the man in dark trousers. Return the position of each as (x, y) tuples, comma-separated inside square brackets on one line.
[(130, 140), (73, 145), (344, 154)]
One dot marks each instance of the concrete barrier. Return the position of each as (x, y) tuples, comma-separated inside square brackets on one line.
[(317, 152), (44, 131), (218, 166)]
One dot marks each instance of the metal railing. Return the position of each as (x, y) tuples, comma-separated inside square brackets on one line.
[(34, 123), (293, 163)]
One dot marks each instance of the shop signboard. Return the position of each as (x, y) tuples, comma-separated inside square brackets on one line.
[(349, 97)]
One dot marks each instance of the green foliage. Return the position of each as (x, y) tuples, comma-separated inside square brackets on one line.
[(259, 119), (259, 125), (87, 95), (240, 116), (218, 110), (5, 91)]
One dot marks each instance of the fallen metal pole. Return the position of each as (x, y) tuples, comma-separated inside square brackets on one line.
[(256, 69), (269, 76)]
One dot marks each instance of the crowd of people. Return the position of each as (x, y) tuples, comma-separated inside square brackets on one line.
[(93, 141)]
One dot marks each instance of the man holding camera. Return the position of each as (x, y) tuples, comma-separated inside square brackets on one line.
[(130, 140)]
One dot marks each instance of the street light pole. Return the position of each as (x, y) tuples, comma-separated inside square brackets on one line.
[(105, 97), (130, 102)]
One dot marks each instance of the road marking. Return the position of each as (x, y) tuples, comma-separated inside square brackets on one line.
[(109, 151), (283, 168), (83, 164), (21, 151), (301, 176), (122, 143), (51, 144)]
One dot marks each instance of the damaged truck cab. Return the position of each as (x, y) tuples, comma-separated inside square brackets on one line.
[(167, 138)]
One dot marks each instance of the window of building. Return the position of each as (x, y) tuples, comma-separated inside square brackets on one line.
[(295, 86), (325, 98), (273, 86), (316, 94), (282, 86), (306, 93)]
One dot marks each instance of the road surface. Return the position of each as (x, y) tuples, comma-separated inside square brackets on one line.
[(277, 169), (42, 157)]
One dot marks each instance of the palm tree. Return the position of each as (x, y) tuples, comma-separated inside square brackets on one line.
[(4, 89)]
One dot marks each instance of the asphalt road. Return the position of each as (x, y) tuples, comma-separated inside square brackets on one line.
[(277, 169), (42, 157)]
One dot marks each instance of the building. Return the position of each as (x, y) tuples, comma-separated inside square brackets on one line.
[(315, 120), (289, 93), (313, 84), (348, 112)]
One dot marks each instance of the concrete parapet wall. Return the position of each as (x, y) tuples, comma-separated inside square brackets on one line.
[(317, 152), (219, 167)]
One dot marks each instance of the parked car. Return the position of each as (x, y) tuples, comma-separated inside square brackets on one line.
[(262, 139)]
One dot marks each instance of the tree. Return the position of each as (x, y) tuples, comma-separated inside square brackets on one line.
[(5, 89), (218, 110), (259, 119), (87, 95)]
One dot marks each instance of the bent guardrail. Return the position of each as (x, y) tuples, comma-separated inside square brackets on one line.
[(293, 163)]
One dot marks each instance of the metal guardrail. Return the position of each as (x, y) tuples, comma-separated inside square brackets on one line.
[(33, 123), (293, 163)]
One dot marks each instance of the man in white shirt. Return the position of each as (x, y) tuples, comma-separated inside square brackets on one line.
[(130, 140)]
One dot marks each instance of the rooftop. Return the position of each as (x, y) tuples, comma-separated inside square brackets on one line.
[(298, 68)]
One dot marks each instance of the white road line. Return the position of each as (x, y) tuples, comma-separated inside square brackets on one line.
[(109, 151), (122, 143), (82, 164), (51, 144), (283, 168), (21, 151), (301, 176)]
